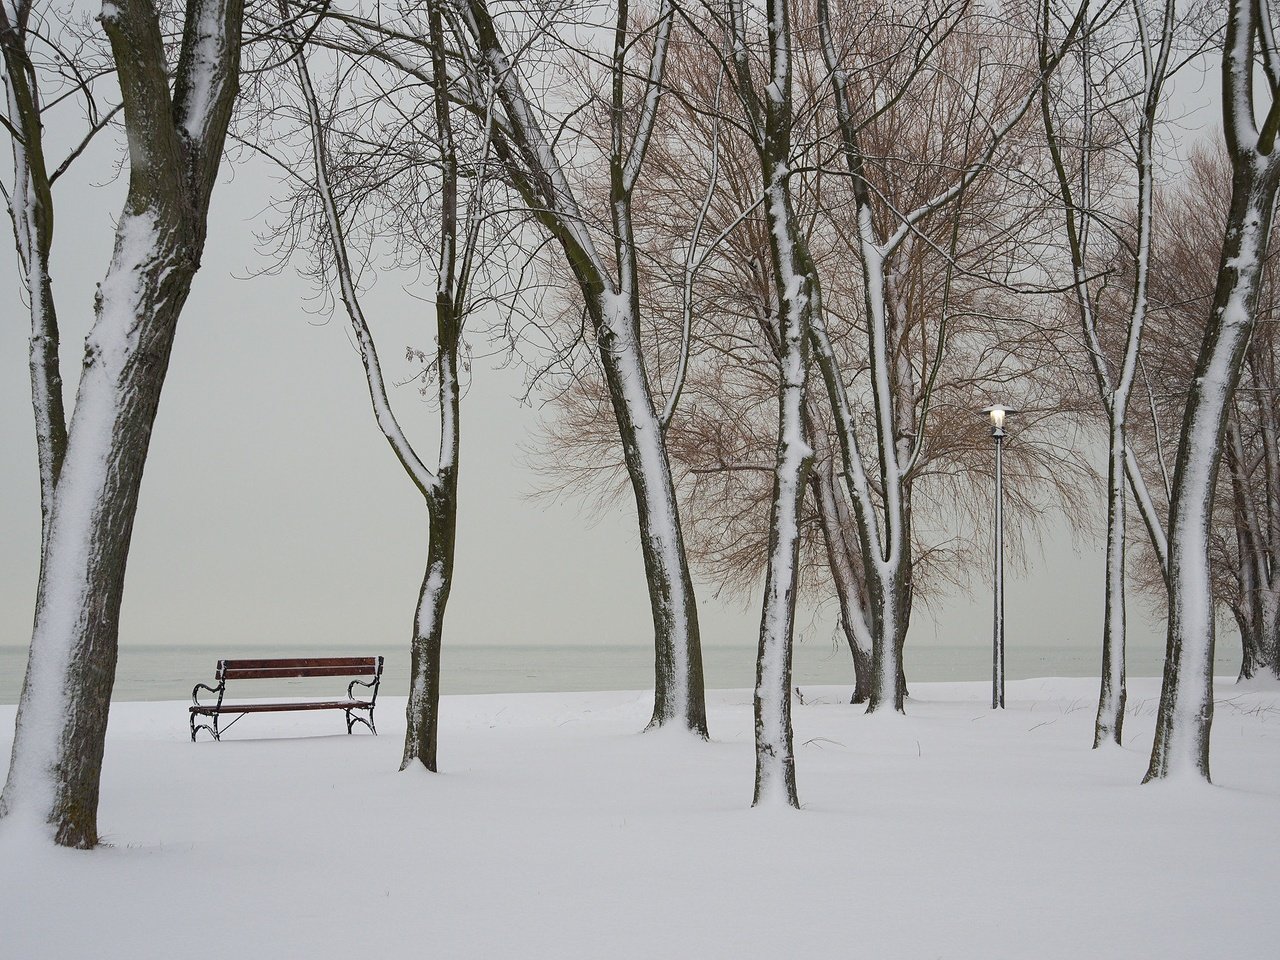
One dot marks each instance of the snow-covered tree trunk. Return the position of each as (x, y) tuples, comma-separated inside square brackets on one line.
[(1109, 722), (612, 303), (844, 559), (422, 711), (175, 146), (775, 781), (678, 682), (1181, 746), (796, 288)]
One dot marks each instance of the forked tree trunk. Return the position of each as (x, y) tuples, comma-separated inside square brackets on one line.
[(60, 735), (175, 146), (439, 489)]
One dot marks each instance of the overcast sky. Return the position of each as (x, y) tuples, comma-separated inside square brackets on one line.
[(273, 513)]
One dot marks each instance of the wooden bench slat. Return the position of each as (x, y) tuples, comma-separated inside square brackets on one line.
[(300, 661), (269, 663), (274, 673)]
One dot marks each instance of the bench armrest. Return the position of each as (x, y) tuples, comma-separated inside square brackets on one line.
[(371, 684), (220, 689)]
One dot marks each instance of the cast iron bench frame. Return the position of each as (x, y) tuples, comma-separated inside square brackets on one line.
[(278, 668)]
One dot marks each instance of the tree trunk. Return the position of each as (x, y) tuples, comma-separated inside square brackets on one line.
[(890, 605), (842, 562), (62, 716), (1257, 603), (775, 781), (31, 210), (1181, 745), (1109, 724), (679, 694), (422, 711)]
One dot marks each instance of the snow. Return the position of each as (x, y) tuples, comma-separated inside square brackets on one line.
[(559, 831), (206, 58)]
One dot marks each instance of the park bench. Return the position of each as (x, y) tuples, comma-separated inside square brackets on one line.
[(275, 669)]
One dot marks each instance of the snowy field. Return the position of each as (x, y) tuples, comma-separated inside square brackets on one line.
[(557, 831)]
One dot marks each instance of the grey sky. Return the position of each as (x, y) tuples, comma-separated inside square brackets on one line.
[(273, 512)]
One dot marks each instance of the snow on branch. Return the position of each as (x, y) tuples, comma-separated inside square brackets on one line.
[(422, 477)]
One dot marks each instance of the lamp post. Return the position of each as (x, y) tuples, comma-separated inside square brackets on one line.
[(997, 413)]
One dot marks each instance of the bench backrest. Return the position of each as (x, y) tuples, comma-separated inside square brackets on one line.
[(300, 667)]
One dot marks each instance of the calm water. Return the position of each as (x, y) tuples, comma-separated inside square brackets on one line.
[(169, 672)]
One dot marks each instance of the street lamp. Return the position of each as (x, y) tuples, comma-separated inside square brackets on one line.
[(997, 413)]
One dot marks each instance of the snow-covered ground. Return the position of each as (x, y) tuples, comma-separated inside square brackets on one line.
[(558, 831)]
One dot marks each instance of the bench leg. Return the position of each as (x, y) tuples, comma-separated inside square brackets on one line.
[(204, 726), (352, 720)]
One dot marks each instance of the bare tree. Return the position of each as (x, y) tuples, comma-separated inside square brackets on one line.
[(175, 117), (900, 400), (1136, 65), (410, 182), (611, 298)]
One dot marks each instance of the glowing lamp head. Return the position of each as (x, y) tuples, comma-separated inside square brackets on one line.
[(997, 413)]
